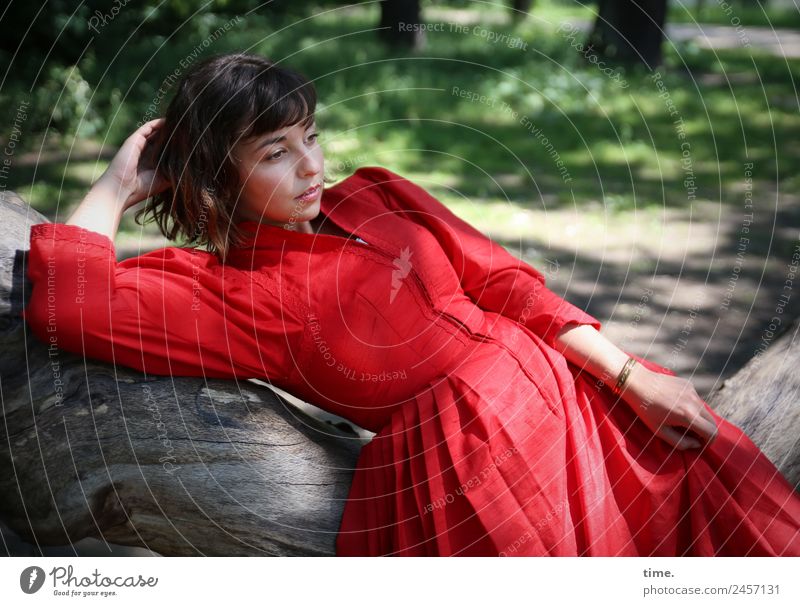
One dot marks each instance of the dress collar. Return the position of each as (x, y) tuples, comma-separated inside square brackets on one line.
[(362, 214), (263, 235), (267, 235)]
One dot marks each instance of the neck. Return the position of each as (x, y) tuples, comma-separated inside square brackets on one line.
[(301, 226), (304, 227)]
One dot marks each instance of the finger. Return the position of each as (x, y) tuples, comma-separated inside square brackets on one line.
[(153, 123), (706, 411), (155, 127), (706, 414), (713, 420), (678, 439), (699, 424), (140, 139), (145, 130), (158, 184)]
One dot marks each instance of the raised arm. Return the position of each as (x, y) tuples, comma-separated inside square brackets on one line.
[(123, 184), (76, 302), (139, 313)]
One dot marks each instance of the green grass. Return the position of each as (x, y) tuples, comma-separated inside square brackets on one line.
[(619, 145), (749, 14)]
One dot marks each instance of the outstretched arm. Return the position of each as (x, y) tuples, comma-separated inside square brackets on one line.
[(499, 282), (667, 404)]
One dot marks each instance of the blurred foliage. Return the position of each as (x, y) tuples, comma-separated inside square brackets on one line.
[(619, 143), (780, 13)]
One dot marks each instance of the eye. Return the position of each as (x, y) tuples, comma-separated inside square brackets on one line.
[(276, 155), (314, 136)]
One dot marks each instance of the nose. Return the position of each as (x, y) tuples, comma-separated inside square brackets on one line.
[(311, 163)]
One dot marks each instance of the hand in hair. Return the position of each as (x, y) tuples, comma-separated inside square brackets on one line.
[(132, 170), (130, 178)]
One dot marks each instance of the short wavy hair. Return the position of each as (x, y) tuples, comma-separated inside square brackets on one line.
[(221, 101)]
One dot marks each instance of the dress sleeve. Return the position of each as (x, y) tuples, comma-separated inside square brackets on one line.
[(85, 302), (492, 277)]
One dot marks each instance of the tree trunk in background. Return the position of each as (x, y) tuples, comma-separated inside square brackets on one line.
[(400, 21), (629, 31), (521, 9)]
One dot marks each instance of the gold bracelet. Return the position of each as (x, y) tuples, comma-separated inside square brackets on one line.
[(623, 375)]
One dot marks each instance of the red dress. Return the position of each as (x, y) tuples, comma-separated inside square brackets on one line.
[(436, 338)]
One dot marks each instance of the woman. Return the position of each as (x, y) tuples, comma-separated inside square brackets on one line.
[(506, 424)]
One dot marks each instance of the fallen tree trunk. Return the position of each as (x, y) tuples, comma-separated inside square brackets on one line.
[(763, 398), (182, 466), (185, 466)]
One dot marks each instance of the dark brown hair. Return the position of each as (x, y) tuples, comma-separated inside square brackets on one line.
[(221, 101)]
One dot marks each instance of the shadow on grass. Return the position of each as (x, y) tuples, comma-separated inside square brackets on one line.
[(399, 110)]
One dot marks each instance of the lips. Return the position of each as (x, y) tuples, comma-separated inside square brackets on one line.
[(309, 193)]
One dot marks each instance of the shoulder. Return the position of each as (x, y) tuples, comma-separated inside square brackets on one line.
[(377, 185), (174, 259), (367, 176)]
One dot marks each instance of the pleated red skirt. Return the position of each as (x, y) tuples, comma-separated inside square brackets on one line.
[(485, 468)]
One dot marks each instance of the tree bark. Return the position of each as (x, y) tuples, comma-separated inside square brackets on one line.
[(629, 31), (520, 9), (762, 399), (184, 466), (400, 24)]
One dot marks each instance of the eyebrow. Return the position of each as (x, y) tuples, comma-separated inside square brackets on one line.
[(283, 137), (271, 141)]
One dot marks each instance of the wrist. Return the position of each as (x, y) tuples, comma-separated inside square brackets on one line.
[(101, 208), (110, 192), (637, 382)]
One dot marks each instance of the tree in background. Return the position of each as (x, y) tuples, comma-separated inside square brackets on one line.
[(521, 8), (400, 23), (629, 31)]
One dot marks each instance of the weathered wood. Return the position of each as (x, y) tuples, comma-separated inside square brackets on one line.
[(763, 398), (181, 466)]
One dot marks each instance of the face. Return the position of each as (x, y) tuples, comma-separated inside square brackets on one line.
[(275, 170)]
